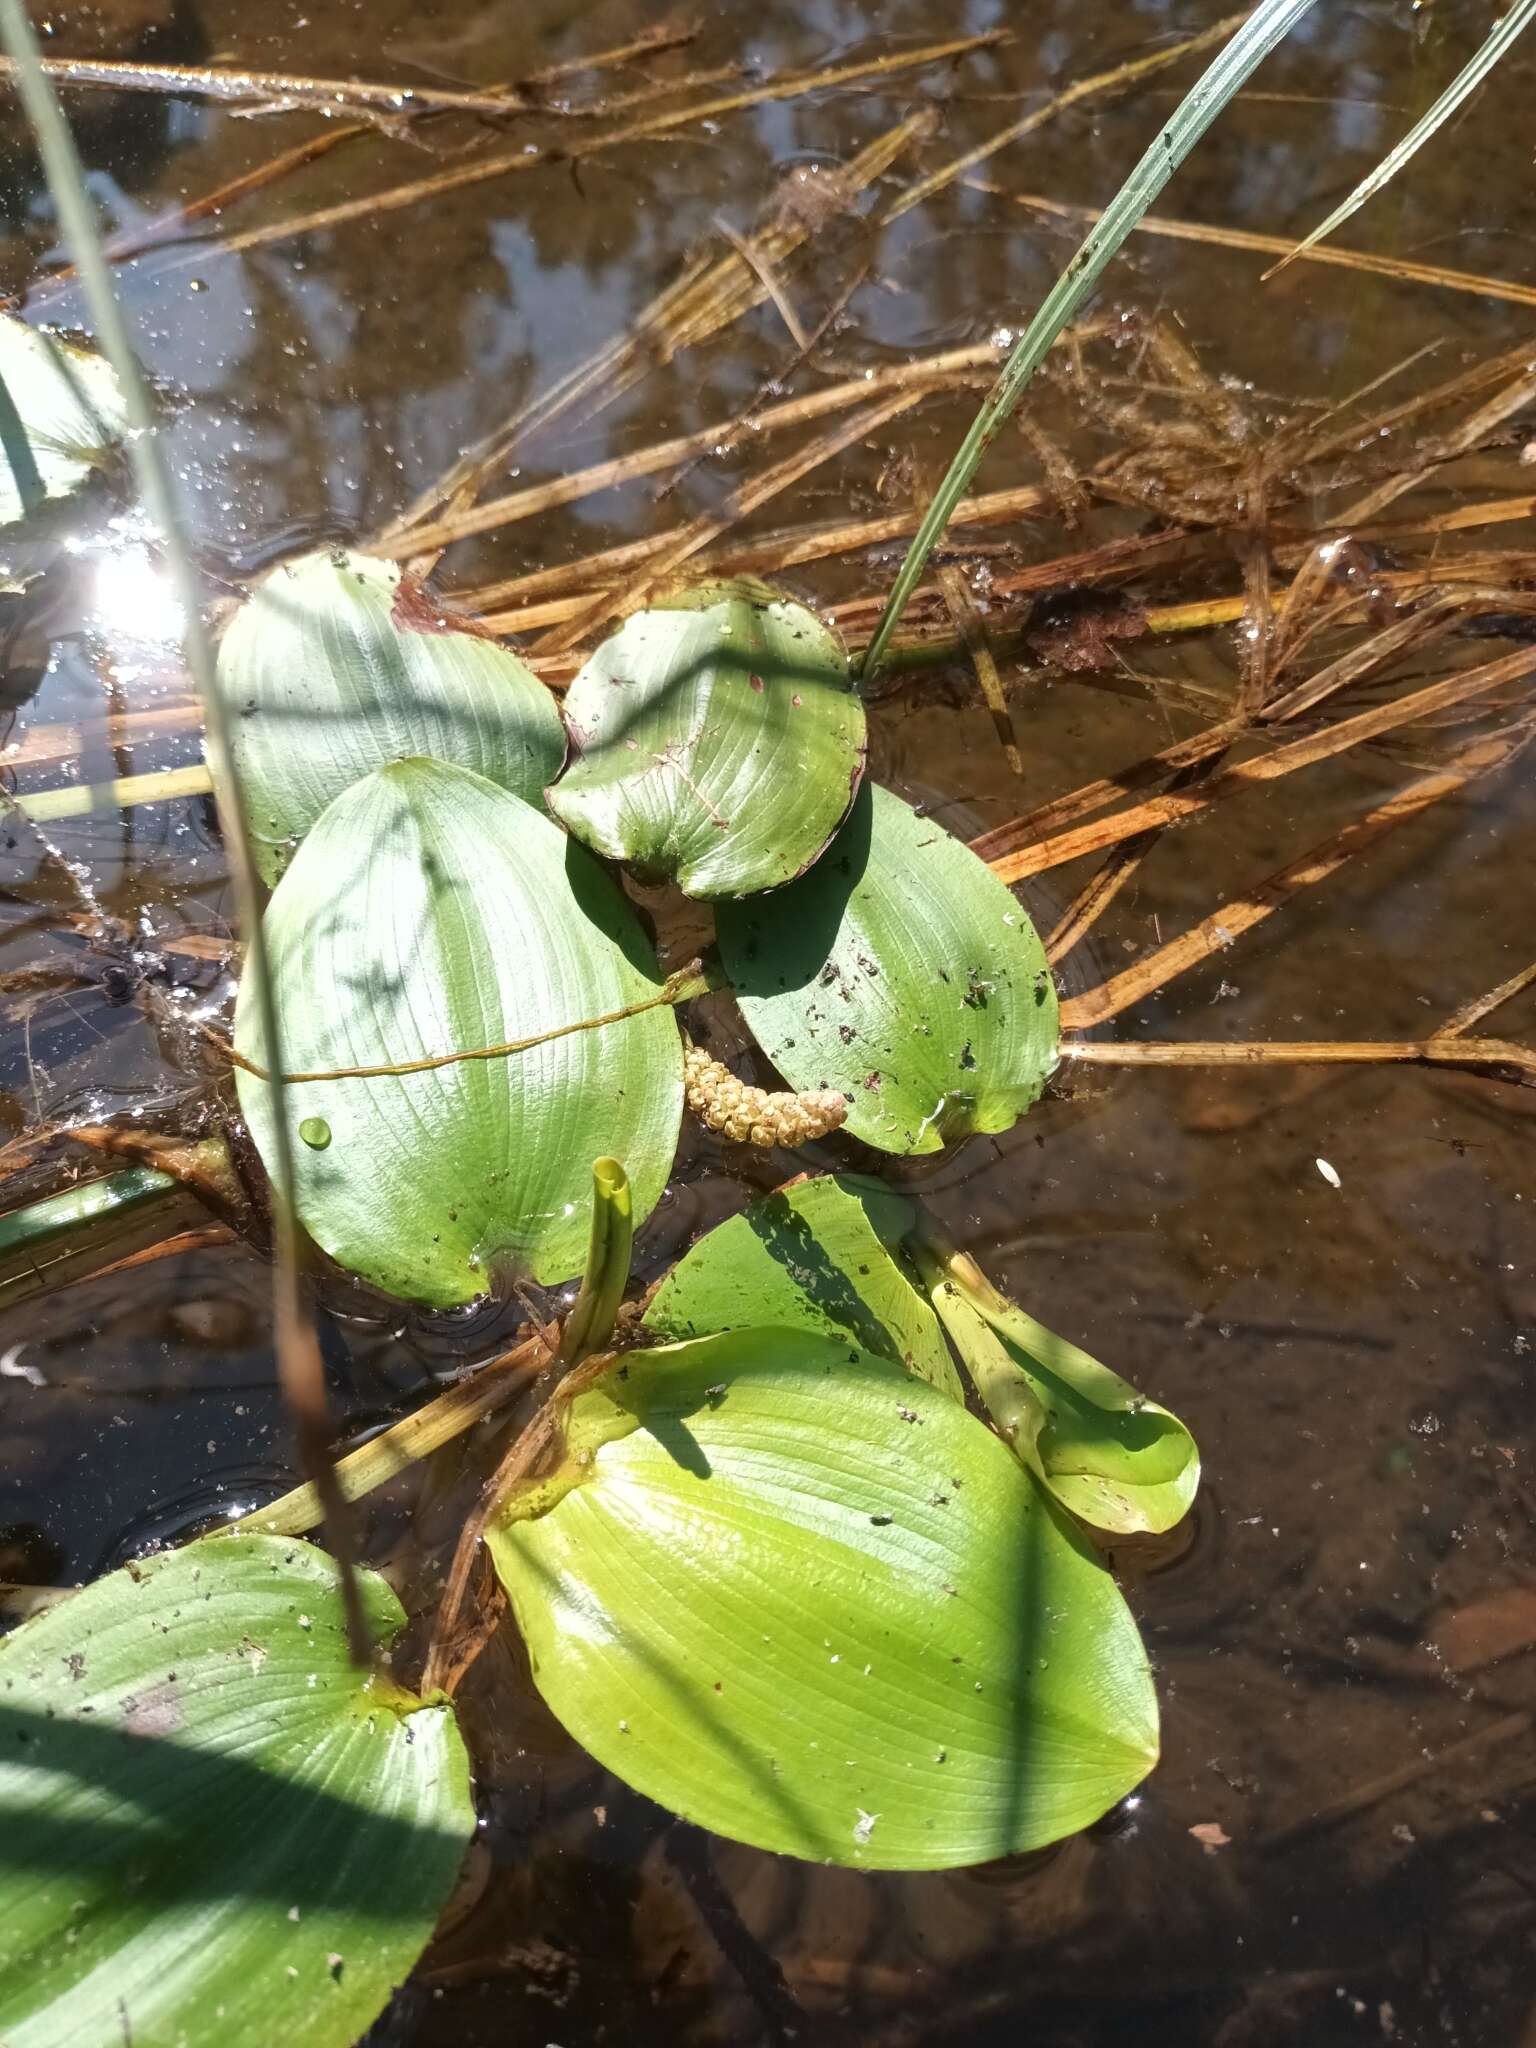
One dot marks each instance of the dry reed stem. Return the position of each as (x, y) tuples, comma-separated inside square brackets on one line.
[(973, 637), (449, 1657), (1028, 830), (1215, 933), (709, 296), (281, 91), (1096, 87), (1460, 441), (165, 227), (428, 536), (1171, 808), (1480, 1007), (1100, 891), (1479, 1053), (504, 163), (741, 503), (1243, 240), (758, 261)]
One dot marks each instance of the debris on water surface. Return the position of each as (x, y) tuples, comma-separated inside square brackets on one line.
[(1211, 1836)]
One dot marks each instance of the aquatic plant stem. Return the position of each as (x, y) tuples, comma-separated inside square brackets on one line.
[(1264, 28), (609, 1250), (298, 1351), (696, 979), (407, 1442)]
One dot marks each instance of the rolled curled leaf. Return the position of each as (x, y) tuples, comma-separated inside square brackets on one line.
[(753, 1116)]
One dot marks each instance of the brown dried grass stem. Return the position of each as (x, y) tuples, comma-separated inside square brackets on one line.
[(742, 502), (1246, 242), (1175, 806), (1227, 923), (1483, 1006), (1478, 1053), (1100, 86), (428, 536)]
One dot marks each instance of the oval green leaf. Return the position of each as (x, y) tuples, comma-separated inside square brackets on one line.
[(801, 1598), (61, 416), (214, 1827), (717, 741), (428, 913), (815, 1255), (339, 663), (901, 971), (1111, 1457)]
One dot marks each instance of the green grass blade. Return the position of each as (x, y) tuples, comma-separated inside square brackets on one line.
[(1465, 81), (1223, 78)]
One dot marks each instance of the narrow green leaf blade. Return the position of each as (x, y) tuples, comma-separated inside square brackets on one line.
[(717, 741), (1224, 77), (817, 1255), (901, 971), (212, 1827), (430, 912), (1465, 82), (62, 412), (339, 663), (805, 1600)]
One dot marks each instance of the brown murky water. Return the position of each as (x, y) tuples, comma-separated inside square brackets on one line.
[(1338, 1847)]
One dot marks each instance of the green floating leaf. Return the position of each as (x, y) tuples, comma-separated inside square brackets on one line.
[(428, 913), (61, 416), (815, 1255), (901, 971), (1110, 1456), (717, 741), (804, 1599), (212, 1827), (339, 663)]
